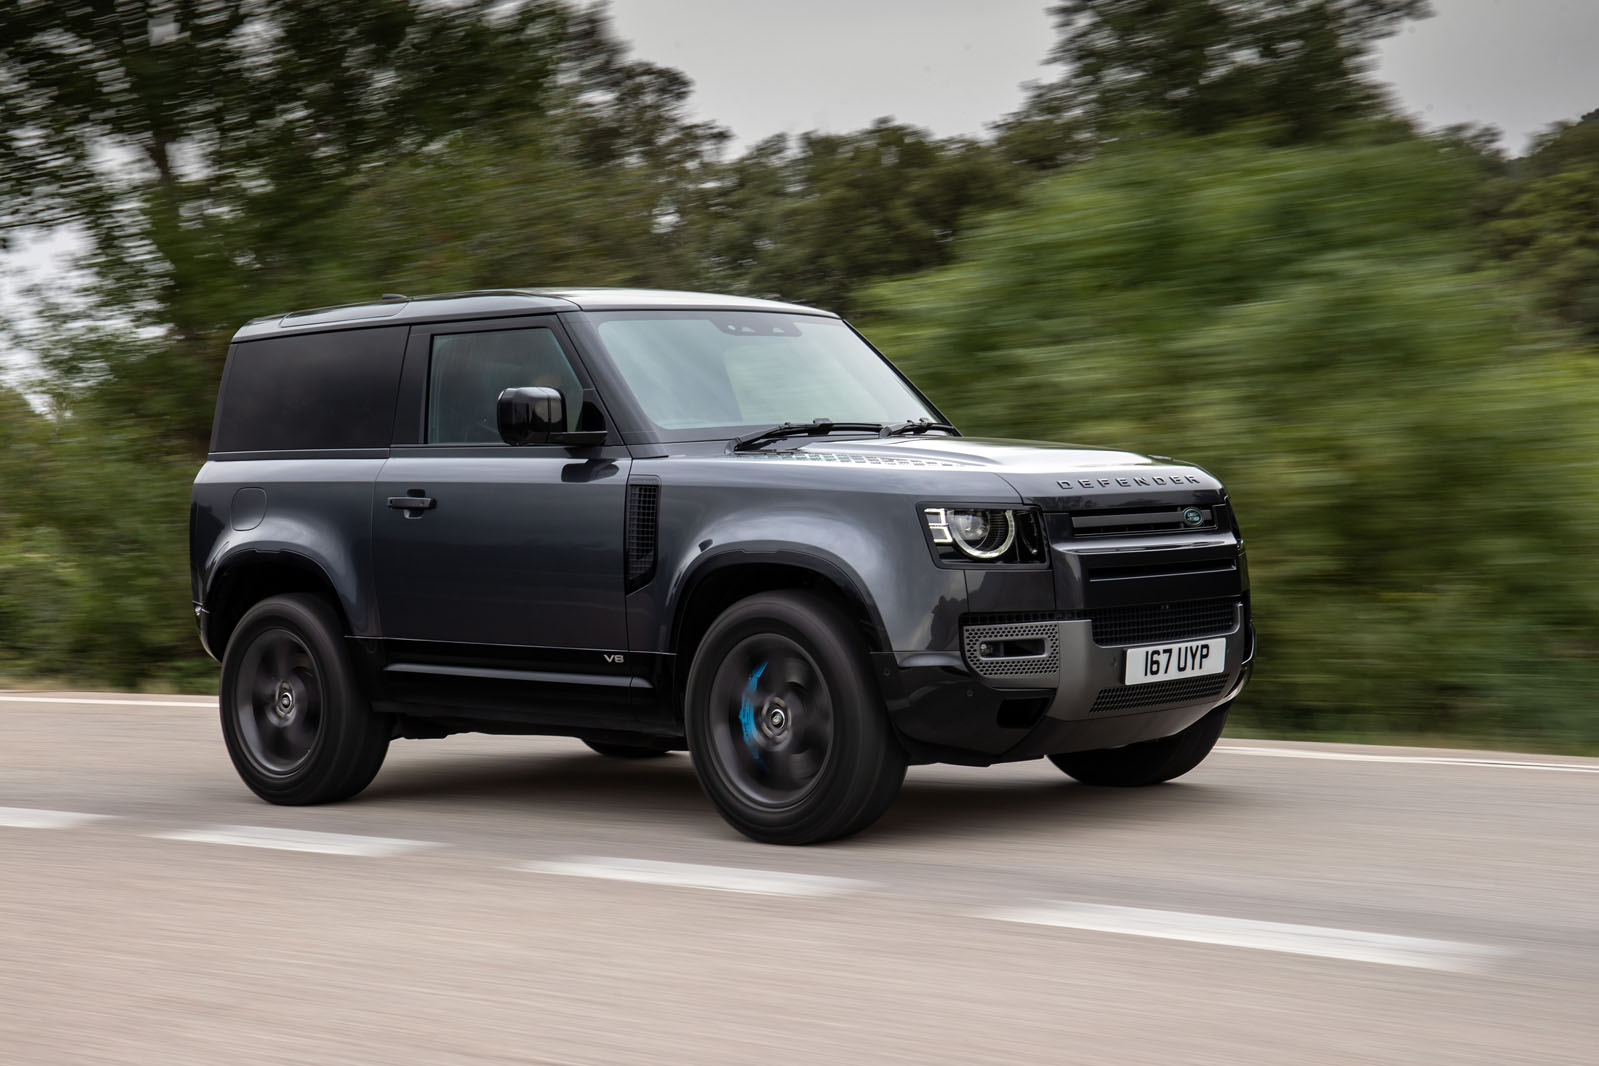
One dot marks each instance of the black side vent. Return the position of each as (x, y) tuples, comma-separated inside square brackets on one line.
[(643, 521)]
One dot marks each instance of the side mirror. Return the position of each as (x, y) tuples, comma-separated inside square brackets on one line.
[(530, 415)]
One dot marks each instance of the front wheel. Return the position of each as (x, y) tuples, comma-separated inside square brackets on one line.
[(1150, 762), (788, 734)]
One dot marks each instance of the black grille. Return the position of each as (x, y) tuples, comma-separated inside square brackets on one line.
[(1182, 690), (1154, 622), (1141, 520), (643, 514)]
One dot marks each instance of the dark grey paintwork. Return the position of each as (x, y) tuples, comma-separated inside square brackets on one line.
[(540, 572), (503, 605)]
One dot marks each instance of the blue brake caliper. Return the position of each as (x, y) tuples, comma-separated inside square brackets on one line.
[(746, 712)]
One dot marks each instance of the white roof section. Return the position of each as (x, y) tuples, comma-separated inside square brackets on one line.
[(599, 299), (401, 310)]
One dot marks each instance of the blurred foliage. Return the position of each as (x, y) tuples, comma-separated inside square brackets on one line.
[(1413, 462), (93, 546), (813, 220), (208, 148), (1547, 224), (1197, 67), (1207, 237)]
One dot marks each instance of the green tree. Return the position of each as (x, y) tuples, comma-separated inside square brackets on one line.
[(482, 213), (228, 158), (1546, 223), (1411, 461), (814, 220), (88, 590), (1202, 66), (205, 145)]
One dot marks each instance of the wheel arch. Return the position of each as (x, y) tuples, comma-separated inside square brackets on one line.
[(248, 576), (718, 581)]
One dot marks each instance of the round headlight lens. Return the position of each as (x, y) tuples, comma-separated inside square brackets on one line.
[(970, 526), (982, 534)]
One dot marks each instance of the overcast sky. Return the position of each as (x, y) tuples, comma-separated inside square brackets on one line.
[(776, 66)]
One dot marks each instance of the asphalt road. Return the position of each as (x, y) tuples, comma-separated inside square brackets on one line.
[(497, 900)]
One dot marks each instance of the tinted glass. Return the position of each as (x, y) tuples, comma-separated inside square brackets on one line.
[(468, 371), (713, 370), (326, 390)]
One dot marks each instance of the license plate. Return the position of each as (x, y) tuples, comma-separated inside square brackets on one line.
[(1160, 662)]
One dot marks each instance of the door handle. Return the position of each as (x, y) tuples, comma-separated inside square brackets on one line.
[(411, 503)]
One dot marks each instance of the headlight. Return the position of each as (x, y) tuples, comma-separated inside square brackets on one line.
[(962, 534)]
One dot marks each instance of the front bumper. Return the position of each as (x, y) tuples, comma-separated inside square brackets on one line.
[(1066, 696)]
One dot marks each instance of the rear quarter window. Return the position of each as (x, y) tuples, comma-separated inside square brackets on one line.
[(319, 391)]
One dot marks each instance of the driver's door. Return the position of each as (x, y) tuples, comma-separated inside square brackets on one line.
[(505, 580)]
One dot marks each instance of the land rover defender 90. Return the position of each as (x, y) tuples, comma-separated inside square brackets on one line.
[(662, 521)]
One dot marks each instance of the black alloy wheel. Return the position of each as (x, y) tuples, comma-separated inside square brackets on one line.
[(771, 719), (787, 731), (297, 725), (277, 701)]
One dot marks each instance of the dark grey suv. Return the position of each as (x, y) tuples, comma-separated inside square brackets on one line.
[(660, 521)]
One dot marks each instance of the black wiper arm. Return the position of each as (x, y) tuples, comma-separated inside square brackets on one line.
[(818, 427), (921, 425)]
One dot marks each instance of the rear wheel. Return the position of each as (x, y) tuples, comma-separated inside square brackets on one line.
[(1148, 763), (788, 735), (297, 726)]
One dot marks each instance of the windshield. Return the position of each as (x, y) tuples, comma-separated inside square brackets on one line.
[(722, 371)]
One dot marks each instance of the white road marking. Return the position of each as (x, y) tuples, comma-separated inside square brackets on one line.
[(28, 818), (1349, 944), (261, 836), (691, 875), (1419, 760), (105, 701)]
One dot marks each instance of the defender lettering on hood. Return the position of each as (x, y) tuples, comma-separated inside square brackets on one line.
[(1129, 482)]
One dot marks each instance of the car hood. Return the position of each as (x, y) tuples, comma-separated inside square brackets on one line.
[(1064, 477)]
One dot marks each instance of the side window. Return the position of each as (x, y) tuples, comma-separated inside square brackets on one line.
[(468, 371), (320, 390)]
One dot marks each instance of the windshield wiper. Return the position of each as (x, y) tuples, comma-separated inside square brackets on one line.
[(816, 427), (921, 425)]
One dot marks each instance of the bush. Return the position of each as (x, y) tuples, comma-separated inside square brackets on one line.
[(93, 552), (1413, 461)]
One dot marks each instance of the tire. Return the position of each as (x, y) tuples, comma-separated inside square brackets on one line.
[(298, 727), (1150, 762), (825, 764), (628, 751)]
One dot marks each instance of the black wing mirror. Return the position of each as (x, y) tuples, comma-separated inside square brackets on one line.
[(536, 414), (530, 415)]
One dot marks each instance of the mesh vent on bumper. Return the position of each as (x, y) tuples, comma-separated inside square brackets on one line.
[(1158, 693), (1147, 623), (973, 638)]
